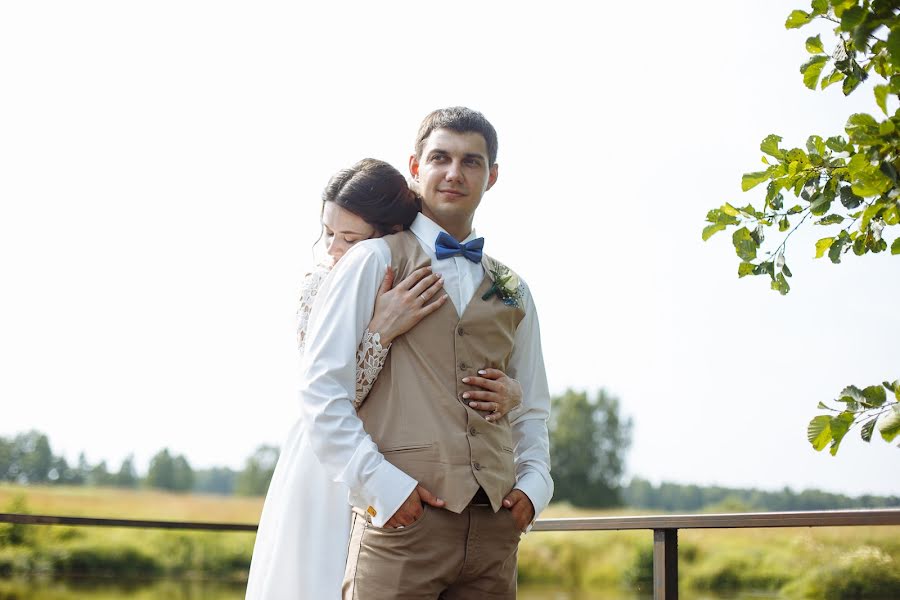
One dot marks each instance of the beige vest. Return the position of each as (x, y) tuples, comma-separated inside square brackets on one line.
[(415, 411)]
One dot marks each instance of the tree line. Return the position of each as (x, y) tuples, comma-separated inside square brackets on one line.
[(589, 442), (28, 458), (674, 497)]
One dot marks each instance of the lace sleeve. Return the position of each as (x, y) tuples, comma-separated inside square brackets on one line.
[(308, 291), (370, 359)]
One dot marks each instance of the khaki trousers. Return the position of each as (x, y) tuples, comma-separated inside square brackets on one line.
[(443, 555)]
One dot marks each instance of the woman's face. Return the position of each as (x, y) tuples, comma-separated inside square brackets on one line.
[(342, 229)]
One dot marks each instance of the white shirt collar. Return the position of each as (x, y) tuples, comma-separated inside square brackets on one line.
[(427, 230)]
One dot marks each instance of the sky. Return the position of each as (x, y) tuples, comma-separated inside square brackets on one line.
[(161, 168)]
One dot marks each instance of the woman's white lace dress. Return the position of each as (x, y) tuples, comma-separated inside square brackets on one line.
[(301, 545)]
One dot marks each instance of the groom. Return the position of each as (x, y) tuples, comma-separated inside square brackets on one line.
[(440, 495)]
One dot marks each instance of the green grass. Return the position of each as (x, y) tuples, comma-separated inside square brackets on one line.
[(813, 563)]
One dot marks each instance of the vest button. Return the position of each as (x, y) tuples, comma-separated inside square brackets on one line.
[(476, 466), (461, 331), (463, 366), (473, 432)]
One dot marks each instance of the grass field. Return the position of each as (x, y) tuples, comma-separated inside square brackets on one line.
[(845, 562)]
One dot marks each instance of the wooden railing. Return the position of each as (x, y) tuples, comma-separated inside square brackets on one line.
[(664, 527)]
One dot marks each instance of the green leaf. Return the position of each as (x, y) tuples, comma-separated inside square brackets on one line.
[(891, 215), (840, 425), (820, 7), (881, 92), (744, 244), (780, 284), (749, 211), (811, 70), (851, 393), (711, 230), (866, 178), (834, 253), (823, 245), (886, 128), (836, 143), (784, 224), (751, 180), (893, 47), (850, 84), (814, 45), (889, 425), (770, 146), (840, 6), (745, 269), (852, 17), (861, 123), (895, 247), (868, 427), (786, 271), (834, 77), (815, 145), (818, 432), (820, 204), (797, 18), (764, 268), (874, 395), (796, 209), (849, 199), (832, 219), (729, 210), (870, 213), (824, 406)]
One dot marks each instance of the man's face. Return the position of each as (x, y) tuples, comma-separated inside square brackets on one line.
[(452, 174)]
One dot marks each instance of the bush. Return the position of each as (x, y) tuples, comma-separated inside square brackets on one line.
[(104, 561), (639, 575), (15, 534), (867, 573)]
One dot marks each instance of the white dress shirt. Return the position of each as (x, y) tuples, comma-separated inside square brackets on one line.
[(338, 320)]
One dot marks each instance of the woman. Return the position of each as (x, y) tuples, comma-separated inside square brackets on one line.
[(301, 545)]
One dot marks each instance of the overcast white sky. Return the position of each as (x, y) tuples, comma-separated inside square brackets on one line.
[(161, 166)]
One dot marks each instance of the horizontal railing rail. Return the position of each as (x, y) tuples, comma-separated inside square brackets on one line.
[(664, 527)]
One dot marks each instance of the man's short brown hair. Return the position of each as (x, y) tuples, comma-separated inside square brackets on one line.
[(461, 120)]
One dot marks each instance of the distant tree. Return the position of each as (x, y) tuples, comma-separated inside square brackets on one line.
[(127, 476), (99, 475), (83, 470), (6, 460), (161, 474), (217, 480), (183, 474), (33, 454), (61, 473), (254, 479), (588, 443)]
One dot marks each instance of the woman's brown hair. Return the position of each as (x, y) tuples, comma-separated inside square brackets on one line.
[(376, 192)]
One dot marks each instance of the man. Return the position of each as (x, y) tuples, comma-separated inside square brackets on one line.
[(440, 495)]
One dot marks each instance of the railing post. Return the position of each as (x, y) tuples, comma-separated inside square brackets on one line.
[(665, 564)]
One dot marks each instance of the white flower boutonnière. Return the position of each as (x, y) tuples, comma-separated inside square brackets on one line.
[(506, 285)]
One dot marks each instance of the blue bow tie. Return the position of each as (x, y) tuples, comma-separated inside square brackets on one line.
[(446, 247)]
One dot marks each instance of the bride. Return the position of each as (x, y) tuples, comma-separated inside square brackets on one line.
[(301, 545)]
